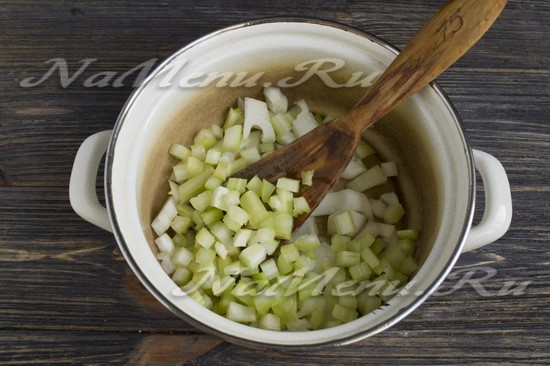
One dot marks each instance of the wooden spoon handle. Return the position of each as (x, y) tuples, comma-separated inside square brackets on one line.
[(438, 44)]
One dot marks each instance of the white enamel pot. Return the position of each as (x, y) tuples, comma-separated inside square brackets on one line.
[(424, 136)]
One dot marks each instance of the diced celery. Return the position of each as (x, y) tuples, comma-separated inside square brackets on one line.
[(365, 240), (304, 121), (354, 168), (253, 140), (360, 272), (282, 224), (251, 155), (300, 206), (408, 234), (354, 246), (238, 165), (221, 249), (164, 243), (369, 257), (386, 230), (281, 125), (290, 252), (343, 313), (174, 190), (227, 156), (307, 177), (235, 218), (292, 185), (263, 303), (389, 168), (212, 183), (344, 200), (270, 246), (267, 147), (181, 276), (393, 213), (182, 256), (267, 190), (269, 268), (276, 101), (275, 203), (222, 284), (213, 156), (196, 217), (384, 268), (378, 207), (201, 201), (286, 198), (339, 242), (217, 131), (255, 185), (221, 232), (234, 117), (168, 266), (180, 172), (206, 138), (204, 238), (223, 170), (241, 237), (349, 301), (184, 209), (252, 204), (346, 258), (287, 310), (198, 151), (240, 313), (371, 178), (317, 318), (283, 265), (287, 138), (303, 265), (167, 213), (270, 322), (378, 245), (343, 223), (194, 186), (232, 138), (363, 150), (180, 224), (389, 198), (204, 256), (407, 247), (257, 115), (252, 255), (179, 151), (263, 234), (307, 243), (233, 269), (237, 184), (408, 266), (179, 240), (367, 303)]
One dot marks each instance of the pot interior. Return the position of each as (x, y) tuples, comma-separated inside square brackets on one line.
[(423, 136)]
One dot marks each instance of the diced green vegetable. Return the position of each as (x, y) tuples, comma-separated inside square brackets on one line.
[(228, 241)]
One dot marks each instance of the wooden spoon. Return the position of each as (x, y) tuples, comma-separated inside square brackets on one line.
[(328, 148)]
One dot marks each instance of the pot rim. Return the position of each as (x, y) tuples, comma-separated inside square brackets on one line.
[(110, 156)]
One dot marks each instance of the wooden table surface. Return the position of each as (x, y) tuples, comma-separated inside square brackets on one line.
[(68, 297)]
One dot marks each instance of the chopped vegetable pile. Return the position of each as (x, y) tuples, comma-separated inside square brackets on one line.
[(228, 242)]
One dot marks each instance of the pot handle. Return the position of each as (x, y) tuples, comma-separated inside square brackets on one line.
[(498, 203), (82, 187)]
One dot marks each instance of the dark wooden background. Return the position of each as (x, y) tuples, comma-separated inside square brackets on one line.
[(68, 297)]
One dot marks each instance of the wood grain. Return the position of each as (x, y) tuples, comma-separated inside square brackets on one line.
[(68, 297)]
